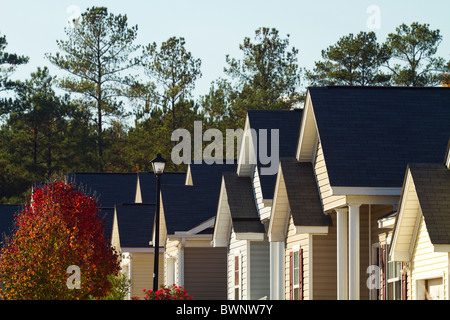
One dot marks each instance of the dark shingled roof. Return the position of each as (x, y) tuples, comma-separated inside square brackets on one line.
[(135, 222), (185, 207), (288, 124), (109, 188), (432, 182), (7, 220), (303, 194), (370, 134), (147, 182), (244, 214)]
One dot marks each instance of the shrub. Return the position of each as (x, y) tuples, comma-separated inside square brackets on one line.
[(172, 292)]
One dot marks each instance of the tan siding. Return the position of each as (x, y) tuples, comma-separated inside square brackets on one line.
[(426, 263), (292, 240), (323, 182), (205, 273), (142, 272), (325, 266)]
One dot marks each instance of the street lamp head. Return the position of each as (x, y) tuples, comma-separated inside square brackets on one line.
[(158, 164)]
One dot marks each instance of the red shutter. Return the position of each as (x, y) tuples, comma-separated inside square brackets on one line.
[(291, 278), (300, 274), (384, 270), (404, 284)]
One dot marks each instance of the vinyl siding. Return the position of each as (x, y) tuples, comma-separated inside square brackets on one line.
[(205, 273), (324, 264), (426, 264), (142, 272), (292, 240), (241, 246), (260, 269), (328, 201)]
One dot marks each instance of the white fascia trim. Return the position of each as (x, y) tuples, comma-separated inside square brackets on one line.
[(311, 229), (441, 247), (302, 125), (148, 250), (365, 191), (203, 226), (386, 223), (219, 243), (249, 236)]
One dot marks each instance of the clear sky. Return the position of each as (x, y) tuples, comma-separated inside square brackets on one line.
[(214, 28)]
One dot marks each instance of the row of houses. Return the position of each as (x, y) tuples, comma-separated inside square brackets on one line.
[(358, 208)]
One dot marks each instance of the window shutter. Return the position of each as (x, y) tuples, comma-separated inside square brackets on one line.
[(291, 278), (384, 270), (404, 284), (300, 274)]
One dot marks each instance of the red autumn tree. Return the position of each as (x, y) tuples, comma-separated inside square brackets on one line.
[(58, 228)]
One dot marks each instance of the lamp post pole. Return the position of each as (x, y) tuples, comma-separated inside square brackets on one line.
[(158, 165), (156, 260)]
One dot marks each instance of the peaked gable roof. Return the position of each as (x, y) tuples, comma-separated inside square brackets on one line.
[(135, 223), (187, 206), (110, 188), (370, 134), (432, 182), (147, 183), (288, 124), (303, 193), (241, 202)]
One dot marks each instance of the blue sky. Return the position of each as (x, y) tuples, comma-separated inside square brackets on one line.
[(213, 28)]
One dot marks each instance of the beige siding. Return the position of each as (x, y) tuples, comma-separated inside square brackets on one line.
[(292, 240), (235, 246), (328, 201), (324, 264), (427, 264), (142, 272), (205, 273)]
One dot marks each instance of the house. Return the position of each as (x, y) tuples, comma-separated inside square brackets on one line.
[(420, 244), (187, 224), (239, 229), (131, 237), (358, 142), (246, 198)]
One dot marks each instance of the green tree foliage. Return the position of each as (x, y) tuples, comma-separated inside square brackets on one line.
[(8, 64), (268, 76), (98, 51), (353, 60), (414, 48), (174, 71)]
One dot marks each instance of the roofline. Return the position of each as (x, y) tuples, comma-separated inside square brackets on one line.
[(141, 249), (365, 191)]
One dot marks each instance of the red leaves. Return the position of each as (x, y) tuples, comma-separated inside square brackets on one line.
[(59, 227)]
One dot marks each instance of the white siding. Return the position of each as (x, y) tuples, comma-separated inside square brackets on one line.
[(241, 247), (426, 264)]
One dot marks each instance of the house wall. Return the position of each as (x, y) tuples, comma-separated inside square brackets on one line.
[(142, 272), (260, 269), (205, 272), (323, 182), (303, 241), (324, 264), (426, 264), (237, 247)]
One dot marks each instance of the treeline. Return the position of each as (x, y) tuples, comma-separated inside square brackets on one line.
[(123, 100)]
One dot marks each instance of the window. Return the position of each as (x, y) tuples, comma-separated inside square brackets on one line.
[(296, 277), (237, 278), (394, 279)]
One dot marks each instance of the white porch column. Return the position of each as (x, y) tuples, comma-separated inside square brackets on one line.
[(342, 254), (277, 270), (353, 254)]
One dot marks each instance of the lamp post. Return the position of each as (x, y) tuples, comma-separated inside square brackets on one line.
[(158, 165)]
